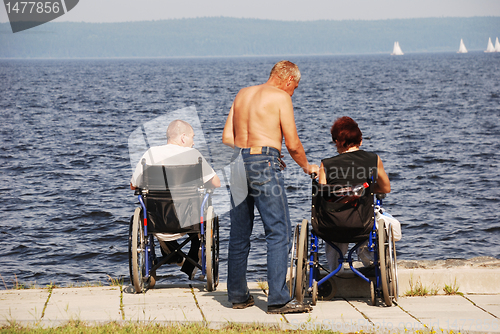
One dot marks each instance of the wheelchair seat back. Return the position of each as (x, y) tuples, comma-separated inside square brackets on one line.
[(164, 177), (173, 196), (334, 220)]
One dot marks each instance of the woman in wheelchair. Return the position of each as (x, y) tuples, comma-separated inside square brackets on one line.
[(351, 167), (343, 211)]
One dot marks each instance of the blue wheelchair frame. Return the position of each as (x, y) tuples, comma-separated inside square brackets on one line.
[(372, 246), (150, 256), (380, 243)]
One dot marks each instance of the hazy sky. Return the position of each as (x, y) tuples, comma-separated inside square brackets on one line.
[(139, 10)]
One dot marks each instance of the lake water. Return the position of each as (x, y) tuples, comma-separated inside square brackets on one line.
[(65, 166)]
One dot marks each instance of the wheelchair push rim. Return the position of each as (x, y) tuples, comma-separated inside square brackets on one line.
[(394, 267), (301, 277), (212, 249), (388, 279), (137, 253)]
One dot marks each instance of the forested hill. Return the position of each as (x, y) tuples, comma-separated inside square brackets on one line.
[(221, 36)]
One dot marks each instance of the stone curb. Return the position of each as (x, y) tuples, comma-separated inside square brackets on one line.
[(476, 310)]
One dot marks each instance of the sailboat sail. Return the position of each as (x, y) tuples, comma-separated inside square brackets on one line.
[(396, 51), (490, 47), (497, 46), (462, 48)]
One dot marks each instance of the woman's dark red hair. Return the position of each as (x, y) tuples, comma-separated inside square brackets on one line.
[(346, 132)]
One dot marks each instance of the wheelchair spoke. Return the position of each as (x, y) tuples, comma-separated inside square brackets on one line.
[(292, 270)]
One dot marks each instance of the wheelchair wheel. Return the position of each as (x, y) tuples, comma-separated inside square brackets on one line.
[(301, 277), (131, 224), (373, 297), (137, 254), (215, 258), (152, 279), (314, 293), (386, 263), (327, 290), (394, 267), (292, 270), (212, 249)]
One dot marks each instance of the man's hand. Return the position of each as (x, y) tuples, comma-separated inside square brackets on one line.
[(282, 163), (312, 169)]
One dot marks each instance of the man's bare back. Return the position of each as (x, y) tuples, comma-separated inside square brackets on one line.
[(262, 115), (256, 116)]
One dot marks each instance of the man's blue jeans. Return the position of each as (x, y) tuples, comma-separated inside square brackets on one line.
[(260, 185)]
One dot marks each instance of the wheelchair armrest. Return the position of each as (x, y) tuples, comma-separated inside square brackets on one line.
[(381, 196), (138, 191)]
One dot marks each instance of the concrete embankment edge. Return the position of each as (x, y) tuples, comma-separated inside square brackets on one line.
[(434, 281), (479, 275), (478, 310)]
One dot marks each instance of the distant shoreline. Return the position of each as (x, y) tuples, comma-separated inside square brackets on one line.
[(232, 37), (284, 56)]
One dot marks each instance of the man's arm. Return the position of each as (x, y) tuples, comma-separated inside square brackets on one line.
[(214, 182), (228, 133), (292, 141)]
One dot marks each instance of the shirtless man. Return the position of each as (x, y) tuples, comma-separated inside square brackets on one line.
[(260, 117)]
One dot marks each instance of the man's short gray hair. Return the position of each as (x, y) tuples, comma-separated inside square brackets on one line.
[(177, 128), (285, 69)]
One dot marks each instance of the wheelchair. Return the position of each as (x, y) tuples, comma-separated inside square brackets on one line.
[(334, 220), (172, 200)]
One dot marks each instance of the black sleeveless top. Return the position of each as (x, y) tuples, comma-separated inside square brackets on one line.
[(345, 222), (351, 167)]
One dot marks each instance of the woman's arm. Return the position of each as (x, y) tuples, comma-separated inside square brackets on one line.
[(322, 175), (383, 185)]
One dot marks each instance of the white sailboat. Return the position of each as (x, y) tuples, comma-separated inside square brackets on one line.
[(497, 46), (490, 47), (396, 51), (462, 48)]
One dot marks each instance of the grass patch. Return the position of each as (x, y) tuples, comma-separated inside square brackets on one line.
[(5, 285), (418, 289), (263, 286), (92, 284), (452, 289), (115, 281), (78, 327), (86, 284), (240, 328), (16, 285), (434, 290)]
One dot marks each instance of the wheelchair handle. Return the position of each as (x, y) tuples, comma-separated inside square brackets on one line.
[(313, 175)]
